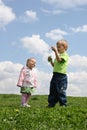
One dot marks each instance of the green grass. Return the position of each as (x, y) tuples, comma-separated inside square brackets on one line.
[(39, 117)]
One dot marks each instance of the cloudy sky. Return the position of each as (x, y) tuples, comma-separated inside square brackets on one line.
[(28, 28)]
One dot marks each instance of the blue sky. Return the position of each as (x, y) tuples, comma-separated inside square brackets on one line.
[(30, 28)]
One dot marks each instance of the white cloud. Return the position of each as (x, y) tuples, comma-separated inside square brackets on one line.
[(8, 78), (67, 3), (1, 2), (29, 16), (77, 83), (6, 15), (35, 44), (80, 29), (43, 82), (54, 12), (74, 90), (80, 62), (77, 80), (56, 34)]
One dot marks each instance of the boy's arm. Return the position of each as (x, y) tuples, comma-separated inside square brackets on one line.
[(52, 63), (50, 60), (57, 54)]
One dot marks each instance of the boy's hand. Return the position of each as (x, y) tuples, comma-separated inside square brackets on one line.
[(49, 58), (54, 48)]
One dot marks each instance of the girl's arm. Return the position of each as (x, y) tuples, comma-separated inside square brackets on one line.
[(21, 78)]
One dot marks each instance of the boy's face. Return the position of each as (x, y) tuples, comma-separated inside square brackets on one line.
[(31, 63), (60, 47)]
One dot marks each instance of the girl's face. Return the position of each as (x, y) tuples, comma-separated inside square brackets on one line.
[(60, 47), (31, 63)]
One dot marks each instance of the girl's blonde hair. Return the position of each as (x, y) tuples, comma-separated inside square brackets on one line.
[(29, 60)]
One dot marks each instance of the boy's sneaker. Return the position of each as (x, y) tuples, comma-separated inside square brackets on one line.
[(50, 106)]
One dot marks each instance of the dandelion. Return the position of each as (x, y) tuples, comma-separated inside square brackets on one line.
[(17, 110)]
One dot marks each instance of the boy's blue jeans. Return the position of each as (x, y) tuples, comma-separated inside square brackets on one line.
[(58, 86)]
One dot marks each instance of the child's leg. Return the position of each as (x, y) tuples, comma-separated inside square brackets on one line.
[(28, 97), (62, 92), (52, 97), (23, 100)]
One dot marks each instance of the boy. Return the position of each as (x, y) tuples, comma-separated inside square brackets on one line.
[(58, 84)]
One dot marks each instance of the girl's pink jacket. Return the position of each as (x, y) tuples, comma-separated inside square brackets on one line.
[(27, 78)]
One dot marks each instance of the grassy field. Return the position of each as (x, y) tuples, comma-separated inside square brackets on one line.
[(39, 117)]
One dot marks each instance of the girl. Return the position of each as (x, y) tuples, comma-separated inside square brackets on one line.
[(27, 81)]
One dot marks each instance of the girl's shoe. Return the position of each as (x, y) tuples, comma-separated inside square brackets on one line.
[(26, 105)]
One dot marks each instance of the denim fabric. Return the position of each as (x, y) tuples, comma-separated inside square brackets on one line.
[(58, 86)]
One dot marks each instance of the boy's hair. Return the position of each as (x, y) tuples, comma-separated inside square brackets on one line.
[(64, 43)]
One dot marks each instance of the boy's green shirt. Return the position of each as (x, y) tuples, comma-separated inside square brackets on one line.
[(61, 67)]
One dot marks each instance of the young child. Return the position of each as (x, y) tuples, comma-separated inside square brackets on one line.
[(27, 81), (58, 84)]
